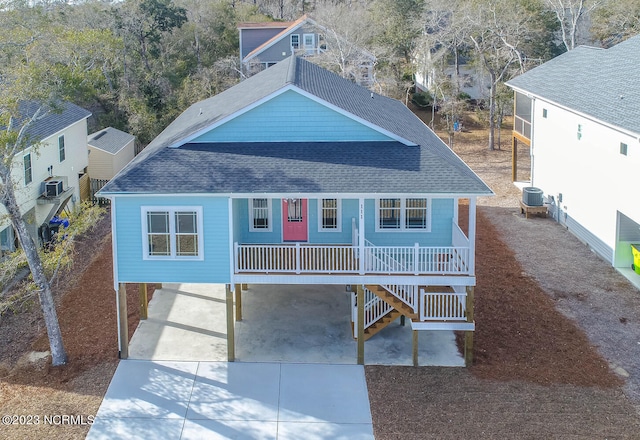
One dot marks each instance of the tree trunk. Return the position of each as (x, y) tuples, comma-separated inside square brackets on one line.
[(45, 296), (492, 111)]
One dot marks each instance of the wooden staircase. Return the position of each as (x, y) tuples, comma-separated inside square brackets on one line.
[(393, 301), (399, 308), (381, 323)]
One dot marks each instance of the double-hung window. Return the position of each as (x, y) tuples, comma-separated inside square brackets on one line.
[(61, 152), (295, 41), (28, 172), (260, 215), (403, 214), (329, 215), (172, 232)]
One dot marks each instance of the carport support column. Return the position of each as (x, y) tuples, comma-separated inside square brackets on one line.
[(415, 347), (514, 158), (231, 344), (238, 302), (123, 324), (144, 300), (468, 335), (360, 298)]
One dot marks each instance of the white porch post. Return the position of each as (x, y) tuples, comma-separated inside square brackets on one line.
[(472, 236), (232, 246), (361, 234), (456, 203)]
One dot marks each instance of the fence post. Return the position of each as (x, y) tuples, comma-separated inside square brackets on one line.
[(236, 257), (416, 253), (298, 260)]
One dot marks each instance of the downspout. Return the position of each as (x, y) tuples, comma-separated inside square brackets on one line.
[(114, 252)]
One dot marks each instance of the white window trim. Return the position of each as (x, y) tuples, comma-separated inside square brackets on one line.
[(172, 232), (313, 41), (338, 214), (63, 150), (24, 170), (270, 216), (291, 40), (403, 215)]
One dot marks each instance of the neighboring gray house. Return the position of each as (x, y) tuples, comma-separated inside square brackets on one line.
[(264, 44), (109, 151)]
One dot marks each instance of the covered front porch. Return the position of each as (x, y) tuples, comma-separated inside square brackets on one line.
[(352, 239)]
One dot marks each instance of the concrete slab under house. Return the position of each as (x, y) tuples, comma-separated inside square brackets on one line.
[(296, 176)]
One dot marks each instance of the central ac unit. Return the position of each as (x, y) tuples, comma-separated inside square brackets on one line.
[(53, 188)]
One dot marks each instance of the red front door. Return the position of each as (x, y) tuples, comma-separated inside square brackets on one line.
[(294, 219)]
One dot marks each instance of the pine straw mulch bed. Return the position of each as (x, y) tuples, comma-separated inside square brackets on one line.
[(86, 310)]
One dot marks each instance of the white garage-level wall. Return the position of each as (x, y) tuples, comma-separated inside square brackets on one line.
[(580, 158)]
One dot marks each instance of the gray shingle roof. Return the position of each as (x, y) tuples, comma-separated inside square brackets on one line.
[(429, 167), (601, 83), (330, 167), (54, 121), (110, 140)]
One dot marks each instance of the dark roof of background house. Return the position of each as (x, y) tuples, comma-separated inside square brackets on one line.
[(601, 83), (55, 120), (444, 171), (110, 140)]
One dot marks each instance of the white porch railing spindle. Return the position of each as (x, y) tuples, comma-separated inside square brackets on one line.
[(302, 258), (435, 306)]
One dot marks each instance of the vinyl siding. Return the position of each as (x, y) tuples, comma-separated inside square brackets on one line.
[(123, 157), (100, 164), (440, 235), (252, 38), (441, 225), (279, 120), (133, 268), (595, 180)]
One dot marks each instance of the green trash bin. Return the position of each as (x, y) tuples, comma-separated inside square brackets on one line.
[(635, 250)]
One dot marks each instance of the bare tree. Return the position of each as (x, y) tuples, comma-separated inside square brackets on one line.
[(571, 14), (501, 32), (13, 140), (347, 32)]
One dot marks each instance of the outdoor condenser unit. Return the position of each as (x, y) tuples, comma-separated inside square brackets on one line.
[(532, 196), (53, 188)]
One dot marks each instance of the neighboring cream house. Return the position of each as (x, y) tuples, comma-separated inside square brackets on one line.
[(109, 151), (578, 116), (46, 174)]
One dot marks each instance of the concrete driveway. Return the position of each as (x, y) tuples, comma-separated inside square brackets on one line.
[(220, 400), (294, 377)]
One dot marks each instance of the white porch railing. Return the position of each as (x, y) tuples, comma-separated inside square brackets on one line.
[(436, 306), (404, 292), (295, 258), (335, 259)]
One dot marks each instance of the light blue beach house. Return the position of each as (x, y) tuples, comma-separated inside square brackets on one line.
[(297, 176)]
